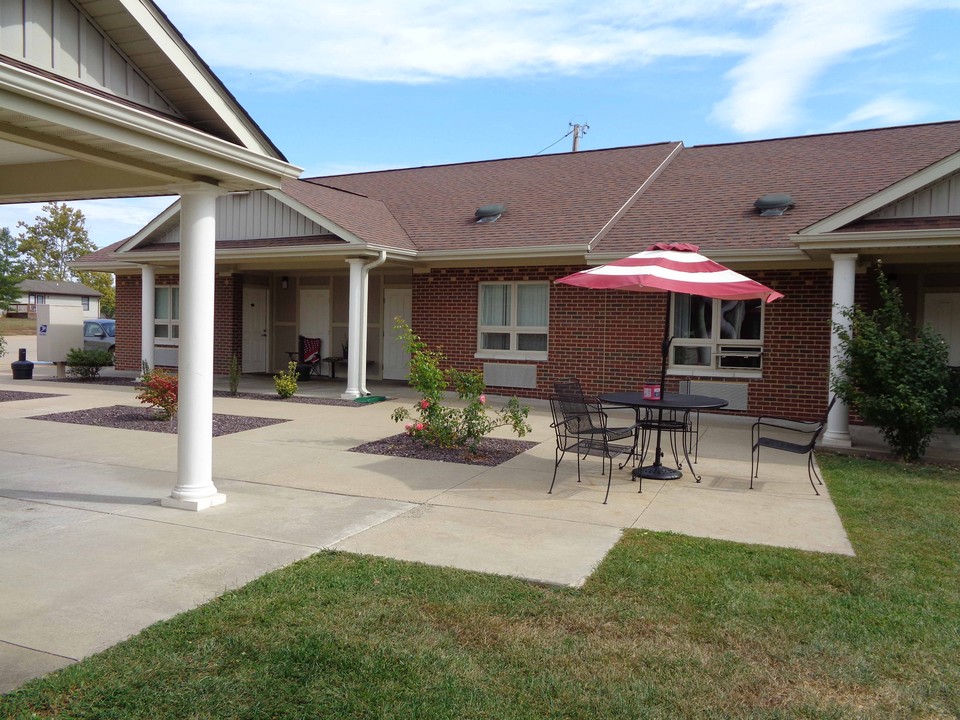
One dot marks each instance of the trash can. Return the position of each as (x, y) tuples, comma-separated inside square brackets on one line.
[(22, 368)]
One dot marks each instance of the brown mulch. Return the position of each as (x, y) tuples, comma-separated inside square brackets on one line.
[(8, 395), (143, 418), (491, 452)]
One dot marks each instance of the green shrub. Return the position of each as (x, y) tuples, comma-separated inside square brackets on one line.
[(895, 376), (432, 422), (160, 390), (86, 364), (286, 381), (3, 345)]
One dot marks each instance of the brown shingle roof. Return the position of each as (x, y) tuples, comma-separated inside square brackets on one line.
[(551, 200), (706, 195)]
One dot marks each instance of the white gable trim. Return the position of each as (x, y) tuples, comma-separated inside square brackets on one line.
[(940, 169), (321, 220), (183, 57)]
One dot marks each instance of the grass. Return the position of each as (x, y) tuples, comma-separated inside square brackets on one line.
[(668, 627), (17, 326)]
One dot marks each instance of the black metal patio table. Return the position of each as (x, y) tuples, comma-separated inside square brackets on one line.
[(676, 402)]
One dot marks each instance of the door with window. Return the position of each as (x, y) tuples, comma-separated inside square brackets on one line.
[(397, 302), (255, 330)]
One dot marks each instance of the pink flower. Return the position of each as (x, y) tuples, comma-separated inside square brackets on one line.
[(424, 404), (408, 426), (419, 426), (483, 399)]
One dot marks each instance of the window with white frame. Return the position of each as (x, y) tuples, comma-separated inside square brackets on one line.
[(513, 318), (719, 335), (166, 316), (85, 302)]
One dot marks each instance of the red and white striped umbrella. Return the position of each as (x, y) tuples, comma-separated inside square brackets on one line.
[(672, 267)]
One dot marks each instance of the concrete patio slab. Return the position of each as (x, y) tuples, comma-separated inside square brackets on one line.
[(532, 548), (88, 556)]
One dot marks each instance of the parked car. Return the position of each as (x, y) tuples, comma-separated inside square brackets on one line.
[(99, 335)]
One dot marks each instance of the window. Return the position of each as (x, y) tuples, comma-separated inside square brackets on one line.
[(716, 334), (37, 299), (513, 319), (85, 303), (166, 323)]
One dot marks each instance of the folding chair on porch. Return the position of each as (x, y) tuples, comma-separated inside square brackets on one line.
[(309, 350)]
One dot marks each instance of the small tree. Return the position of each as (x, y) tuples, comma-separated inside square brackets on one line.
[(436, 424), (11, 270), (53, 241), (160, 390), (896, 377)]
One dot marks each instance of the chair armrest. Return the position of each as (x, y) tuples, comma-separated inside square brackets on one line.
[(801, 426)]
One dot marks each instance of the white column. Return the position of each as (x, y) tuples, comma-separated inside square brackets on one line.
[(354, 330), (837, 433), (195, 489), (147, 314)]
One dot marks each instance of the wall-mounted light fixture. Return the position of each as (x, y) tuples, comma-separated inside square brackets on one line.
[(284, 282)]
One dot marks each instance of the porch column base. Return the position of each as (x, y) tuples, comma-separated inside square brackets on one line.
[(196, 504), (350, 394), (837, 439)]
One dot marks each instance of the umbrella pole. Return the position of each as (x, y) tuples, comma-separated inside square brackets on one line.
[(657, 471)]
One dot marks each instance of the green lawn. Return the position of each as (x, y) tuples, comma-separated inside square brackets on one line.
[(17, 326), (668, 627)]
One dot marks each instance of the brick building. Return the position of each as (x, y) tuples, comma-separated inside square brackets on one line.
[(469, 253)]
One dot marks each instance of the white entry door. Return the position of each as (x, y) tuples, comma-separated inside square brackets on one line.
[(942, 312), (314, 317), (255, 330), (397, 302)]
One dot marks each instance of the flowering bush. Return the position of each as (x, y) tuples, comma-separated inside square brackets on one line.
[(159, 389), (436, 424), (286, 381)]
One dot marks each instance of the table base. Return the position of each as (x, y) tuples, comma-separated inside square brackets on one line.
[(657, 472)]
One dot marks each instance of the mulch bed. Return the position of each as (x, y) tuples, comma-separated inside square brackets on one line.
[(8, 395), (301, 399), (491, 452), (142, 418)]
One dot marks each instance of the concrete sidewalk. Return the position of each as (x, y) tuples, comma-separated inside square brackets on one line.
[(88, 557)]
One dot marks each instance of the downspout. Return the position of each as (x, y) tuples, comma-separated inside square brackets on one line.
[(365, 279)]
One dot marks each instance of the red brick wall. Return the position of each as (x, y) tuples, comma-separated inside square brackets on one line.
[(611, 339), (227, 330)]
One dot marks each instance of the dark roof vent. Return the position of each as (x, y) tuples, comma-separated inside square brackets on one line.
[(490, 213), (773, 204)]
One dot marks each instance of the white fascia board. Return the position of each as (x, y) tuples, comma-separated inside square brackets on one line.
[(517, 253), (150, 228), (872, 240), (69, 107), (778, 255), (316, 217), (185, 59), (269, 253), (898, 190)]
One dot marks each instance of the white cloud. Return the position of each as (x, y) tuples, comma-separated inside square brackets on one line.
[(778, 49), (427, 40), (886, 110), (806, 38)]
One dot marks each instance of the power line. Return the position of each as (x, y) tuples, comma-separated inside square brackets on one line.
[(554, 143)]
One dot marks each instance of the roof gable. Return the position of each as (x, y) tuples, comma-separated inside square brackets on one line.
[(706, 195)]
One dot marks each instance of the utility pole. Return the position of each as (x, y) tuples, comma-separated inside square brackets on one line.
[(578, 131)]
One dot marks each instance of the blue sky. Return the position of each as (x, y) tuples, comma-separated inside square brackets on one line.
[(374, 84)]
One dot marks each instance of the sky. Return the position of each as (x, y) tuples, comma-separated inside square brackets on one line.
[(378, 84)]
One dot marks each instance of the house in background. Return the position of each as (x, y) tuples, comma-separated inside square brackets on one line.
[(52, 292), (469, 254)]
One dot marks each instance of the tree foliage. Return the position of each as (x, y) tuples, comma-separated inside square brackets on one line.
[(11, 270), (894, 375), (52, 242), (102, 283)]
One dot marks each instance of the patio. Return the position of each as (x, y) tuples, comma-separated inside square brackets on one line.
[(294, 489)]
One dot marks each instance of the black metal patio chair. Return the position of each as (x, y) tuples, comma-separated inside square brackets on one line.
[(581, 428), (809, 430)]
